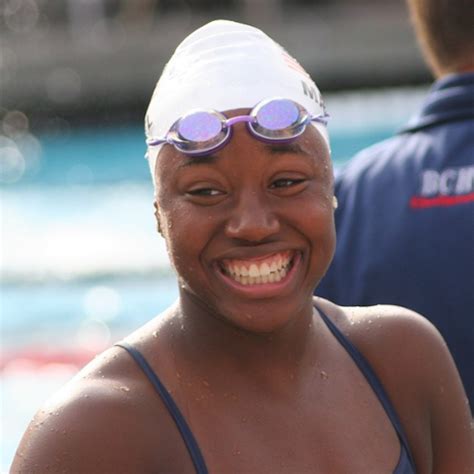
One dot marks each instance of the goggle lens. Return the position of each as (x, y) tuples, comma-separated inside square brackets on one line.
[(277, 115), (199, 127)]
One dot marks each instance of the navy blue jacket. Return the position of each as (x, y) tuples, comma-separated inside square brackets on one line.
[(405, 222)]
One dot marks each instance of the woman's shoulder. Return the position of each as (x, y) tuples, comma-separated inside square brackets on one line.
[(402, 346), (415, 367), (386, 329), (106, 418)]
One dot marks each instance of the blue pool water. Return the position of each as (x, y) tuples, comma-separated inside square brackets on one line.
[(82, 264)]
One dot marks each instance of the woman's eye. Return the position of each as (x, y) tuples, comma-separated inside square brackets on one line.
[(205, 192), (286, 182)]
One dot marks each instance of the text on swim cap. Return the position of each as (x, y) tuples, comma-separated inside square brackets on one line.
[(313, 93)]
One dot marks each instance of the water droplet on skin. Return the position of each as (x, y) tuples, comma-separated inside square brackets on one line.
[(324, 375), (178, 375), (85, 395), (124, 389), (155, 333), (205, 383)]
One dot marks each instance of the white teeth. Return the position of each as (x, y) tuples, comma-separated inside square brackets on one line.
[(255, 274), (264, 269), (253, 271)]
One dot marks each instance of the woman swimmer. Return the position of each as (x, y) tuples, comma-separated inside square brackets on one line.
[(247, 373)]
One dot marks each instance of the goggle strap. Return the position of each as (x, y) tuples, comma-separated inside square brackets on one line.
[(239, 118), (156, 141), (323, 118)]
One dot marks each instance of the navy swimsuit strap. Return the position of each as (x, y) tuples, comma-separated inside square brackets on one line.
[(189, 440), (373, 380)]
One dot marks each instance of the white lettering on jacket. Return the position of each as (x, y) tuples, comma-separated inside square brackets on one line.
[(447, 182)]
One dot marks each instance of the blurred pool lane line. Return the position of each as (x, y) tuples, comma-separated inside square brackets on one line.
[(33, 359)]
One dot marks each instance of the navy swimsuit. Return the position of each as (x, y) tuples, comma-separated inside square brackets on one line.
[(405, 463)]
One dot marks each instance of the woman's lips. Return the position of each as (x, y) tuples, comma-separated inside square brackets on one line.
[(269, 269)]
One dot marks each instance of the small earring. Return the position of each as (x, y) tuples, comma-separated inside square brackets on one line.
[(334, 202)]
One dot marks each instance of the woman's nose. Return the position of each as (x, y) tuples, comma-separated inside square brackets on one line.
[(252, 220)]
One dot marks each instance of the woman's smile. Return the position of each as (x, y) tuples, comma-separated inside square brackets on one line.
[(264, 276)]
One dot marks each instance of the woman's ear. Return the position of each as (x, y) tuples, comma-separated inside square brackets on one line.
[(157, 217)]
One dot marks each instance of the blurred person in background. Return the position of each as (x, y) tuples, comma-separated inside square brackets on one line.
[(247, 372), (405, 222)]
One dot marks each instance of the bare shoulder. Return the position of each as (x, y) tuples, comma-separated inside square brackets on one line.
[(391, 331), (103, 420), (401, 345), (414, 364)]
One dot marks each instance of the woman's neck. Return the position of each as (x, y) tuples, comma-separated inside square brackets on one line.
[(216, 345)]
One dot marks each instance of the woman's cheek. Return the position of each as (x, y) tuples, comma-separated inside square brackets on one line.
[(182, 233)]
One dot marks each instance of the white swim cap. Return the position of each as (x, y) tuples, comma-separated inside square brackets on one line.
[(226, 65)]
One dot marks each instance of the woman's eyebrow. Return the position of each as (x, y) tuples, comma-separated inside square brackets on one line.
[(198, 160), (282, 148), (274, 148)]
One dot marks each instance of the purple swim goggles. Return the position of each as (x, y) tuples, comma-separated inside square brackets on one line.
[(203, 131)]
